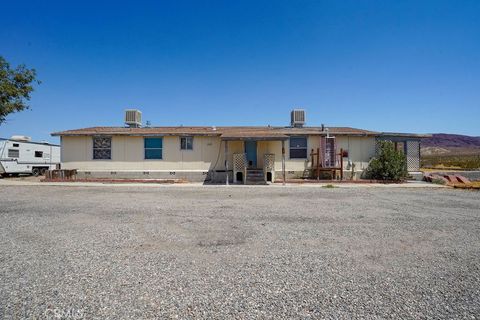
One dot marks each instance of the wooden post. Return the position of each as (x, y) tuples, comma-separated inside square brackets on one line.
[(341, 164), (283, 161), (318, 163), (312, 155), (226, 162)]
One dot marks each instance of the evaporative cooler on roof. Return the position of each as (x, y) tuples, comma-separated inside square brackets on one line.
[(133, 118), (297, 118)]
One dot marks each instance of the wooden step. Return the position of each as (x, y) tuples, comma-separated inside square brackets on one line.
[(256, 183)]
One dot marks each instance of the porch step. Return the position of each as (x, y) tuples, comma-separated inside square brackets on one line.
[(256, 183), (255, 177), (260, 175)]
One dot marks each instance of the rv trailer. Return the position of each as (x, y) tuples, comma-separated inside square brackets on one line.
[(20, 155)]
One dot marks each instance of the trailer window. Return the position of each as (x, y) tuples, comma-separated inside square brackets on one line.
[(13, 153), (102, 148), (16, 145), (38, 154)]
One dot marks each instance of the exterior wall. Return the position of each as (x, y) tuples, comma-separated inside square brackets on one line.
[(360, 151), (293, 167), (208, 155), (128, 154)]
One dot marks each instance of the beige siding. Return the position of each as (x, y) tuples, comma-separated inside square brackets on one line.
[(76, 149), (360, 150), (275, 147), (207, 154), (128, 154)]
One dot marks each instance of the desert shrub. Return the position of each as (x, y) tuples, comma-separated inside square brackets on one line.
[(389, 164)]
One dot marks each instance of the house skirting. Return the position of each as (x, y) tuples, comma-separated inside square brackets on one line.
[(190, 176)]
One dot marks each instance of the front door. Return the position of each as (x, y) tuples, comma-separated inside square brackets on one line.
[(251, 151)]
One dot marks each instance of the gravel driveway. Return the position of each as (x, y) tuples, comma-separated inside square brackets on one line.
[(238, 252)]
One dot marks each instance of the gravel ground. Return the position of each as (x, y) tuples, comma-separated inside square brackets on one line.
[(238, 252)]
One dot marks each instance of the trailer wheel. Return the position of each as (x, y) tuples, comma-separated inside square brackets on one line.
[(36, 172), (42, 171)]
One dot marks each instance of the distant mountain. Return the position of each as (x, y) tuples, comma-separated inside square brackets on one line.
[(444, 140)]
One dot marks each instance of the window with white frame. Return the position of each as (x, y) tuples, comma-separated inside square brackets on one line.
[(153, 148), (186, 143), (13, 153), (298, 147), (102, 148)]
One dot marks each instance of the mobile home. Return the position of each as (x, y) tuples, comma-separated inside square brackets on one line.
[(225, 154)]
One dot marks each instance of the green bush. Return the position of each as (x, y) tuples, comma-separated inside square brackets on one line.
[(389, 164)]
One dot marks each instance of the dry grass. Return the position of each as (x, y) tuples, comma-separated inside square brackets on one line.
[(473, 185), (452, 162)]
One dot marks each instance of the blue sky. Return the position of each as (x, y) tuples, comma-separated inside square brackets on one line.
[(408, 66)]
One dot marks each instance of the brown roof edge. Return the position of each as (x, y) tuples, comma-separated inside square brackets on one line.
[(64, 134), (153, 131), (254, 138), (405, 135), (226, 132)]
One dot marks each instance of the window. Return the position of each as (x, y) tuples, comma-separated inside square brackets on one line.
[(298, 147), (102, 148), (153, 148), (186, 143), (13, 153), (38, 154), (16, 145)]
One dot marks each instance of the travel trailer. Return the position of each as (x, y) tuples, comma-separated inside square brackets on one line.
[(20, 155)]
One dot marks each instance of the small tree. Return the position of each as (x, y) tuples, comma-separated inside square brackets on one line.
[(389, 164), (15, 88)]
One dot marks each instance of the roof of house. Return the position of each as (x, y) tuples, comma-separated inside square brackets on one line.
[(232, 133), (226, 133)]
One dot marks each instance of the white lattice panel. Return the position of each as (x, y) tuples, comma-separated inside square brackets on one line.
[(239, 161), (269, 162), (413, 155), (377, 147)]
